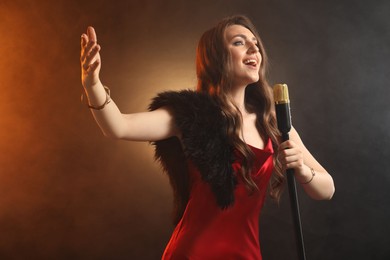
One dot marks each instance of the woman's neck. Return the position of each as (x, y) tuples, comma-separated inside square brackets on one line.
[(238, 96)]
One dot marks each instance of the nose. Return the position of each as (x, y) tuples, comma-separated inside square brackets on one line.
[(253, 48)]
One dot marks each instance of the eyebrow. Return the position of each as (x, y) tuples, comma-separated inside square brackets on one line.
[(244, 37)]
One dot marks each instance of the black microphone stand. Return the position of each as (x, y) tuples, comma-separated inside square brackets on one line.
[(292, 190), (284, 125)]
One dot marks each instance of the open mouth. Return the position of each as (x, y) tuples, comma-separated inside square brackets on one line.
[(250, 62)]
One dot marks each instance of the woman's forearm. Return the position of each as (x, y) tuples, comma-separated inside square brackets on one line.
[(109, 119), (317, 184)]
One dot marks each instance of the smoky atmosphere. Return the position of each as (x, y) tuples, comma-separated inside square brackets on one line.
[(69, 192)]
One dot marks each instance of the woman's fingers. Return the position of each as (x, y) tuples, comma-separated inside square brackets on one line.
[(87, 49), (89, 57), (287, 145), (84, 40), (91, 34), (93, 66), (290, 155)]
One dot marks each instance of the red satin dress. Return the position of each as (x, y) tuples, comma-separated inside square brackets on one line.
[(208, 232)]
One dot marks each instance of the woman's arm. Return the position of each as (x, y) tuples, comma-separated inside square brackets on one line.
[(314, 179), (147, 126)]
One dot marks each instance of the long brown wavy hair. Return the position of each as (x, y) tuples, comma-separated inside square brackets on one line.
[(213, 68)]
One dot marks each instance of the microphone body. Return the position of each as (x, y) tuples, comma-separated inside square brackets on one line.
[(283, 117)]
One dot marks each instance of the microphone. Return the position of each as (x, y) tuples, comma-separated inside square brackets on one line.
[(282, 108), (283, 117)]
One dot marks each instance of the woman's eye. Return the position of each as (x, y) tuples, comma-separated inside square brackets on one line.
[(237, 43)]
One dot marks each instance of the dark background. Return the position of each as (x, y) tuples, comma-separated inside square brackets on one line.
[(66, 192)]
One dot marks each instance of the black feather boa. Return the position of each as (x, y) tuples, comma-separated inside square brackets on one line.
[(205, 143)]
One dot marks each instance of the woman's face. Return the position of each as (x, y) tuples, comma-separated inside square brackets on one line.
[(245, 55)]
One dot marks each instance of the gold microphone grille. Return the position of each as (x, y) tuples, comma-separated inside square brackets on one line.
[(281, 94)]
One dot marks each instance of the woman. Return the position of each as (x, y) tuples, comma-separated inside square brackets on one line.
[(217, 143)]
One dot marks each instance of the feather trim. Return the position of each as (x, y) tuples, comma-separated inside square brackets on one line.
[(204, 141)]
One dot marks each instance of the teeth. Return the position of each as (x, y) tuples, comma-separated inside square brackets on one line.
[(250, 61)]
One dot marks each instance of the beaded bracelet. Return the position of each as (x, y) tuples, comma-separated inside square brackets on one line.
[(108, 100), (313, 173)]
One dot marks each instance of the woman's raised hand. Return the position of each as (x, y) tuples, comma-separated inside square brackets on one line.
[(90, 58)]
